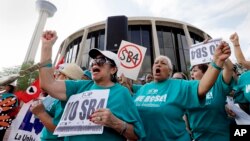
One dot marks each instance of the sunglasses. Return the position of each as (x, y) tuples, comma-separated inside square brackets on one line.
[(100, 61)]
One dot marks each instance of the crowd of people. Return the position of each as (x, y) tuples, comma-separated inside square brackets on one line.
[(166, 106)]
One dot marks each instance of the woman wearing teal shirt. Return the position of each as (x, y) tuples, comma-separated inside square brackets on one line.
[(242, 93), (211, 122), (49, 111), (120, 119), (163, 102)]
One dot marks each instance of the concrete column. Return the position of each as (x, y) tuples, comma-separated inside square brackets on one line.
[(155, 39), (187, 35), (46, 9), (82, 46)]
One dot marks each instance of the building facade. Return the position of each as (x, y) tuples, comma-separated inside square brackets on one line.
[(160, 36)]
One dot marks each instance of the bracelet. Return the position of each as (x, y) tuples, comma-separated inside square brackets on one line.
[(124, 128), (236, 44), (47, 64), (215, 66)]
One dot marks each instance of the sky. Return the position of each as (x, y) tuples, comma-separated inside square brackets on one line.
[(18, 19)]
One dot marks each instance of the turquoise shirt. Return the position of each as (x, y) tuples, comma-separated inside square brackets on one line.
[(120, 103), (210, 123), (243, 88), (136, 87), (162, 105), (55, 111)]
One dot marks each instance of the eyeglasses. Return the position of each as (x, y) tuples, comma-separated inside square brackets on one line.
[(100, 61)]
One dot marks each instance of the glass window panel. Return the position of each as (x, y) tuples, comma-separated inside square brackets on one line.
[(135, 35), (67, 57), (74, 53), (101, 42), (167, 40)]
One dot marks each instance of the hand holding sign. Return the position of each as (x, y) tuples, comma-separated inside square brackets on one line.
[(103, 117), (203, 52)]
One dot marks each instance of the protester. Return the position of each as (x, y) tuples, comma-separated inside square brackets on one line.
[(242, 92), (210, 122), (179, 75), (49, 111), (120, 119), (149, 78), (234, 38), (162, 103), (87, 75), (9, 108)]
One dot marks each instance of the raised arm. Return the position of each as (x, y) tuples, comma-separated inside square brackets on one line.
[(234, 38), (222, 52), (47, 82), (228, 71)]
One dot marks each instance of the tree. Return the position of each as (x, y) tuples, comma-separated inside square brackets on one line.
[(24, 81)]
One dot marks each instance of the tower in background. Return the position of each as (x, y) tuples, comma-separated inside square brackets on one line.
[(46, 9)]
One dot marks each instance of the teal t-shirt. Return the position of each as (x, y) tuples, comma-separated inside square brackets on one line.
[(210, 122), (162, 105), (120, 103), (243, 88), (136, 87), (55, 111)]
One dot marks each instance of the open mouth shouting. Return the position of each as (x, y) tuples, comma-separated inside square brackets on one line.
[(157, 71), (95, 70)]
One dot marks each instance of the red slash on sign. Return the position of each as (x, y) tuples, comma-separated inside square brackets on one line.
[(130, 56)]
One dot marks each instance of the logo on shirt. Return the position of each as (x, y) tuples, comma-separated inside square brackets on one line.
[(209, 98), (152, 91), (248, 88)]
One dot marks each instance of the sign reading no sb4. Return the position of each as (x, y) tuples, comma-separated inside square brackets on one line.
[(130, 56)]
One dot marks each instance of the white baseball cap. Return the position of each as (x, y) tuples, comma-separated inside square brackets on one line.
[(93, 53)]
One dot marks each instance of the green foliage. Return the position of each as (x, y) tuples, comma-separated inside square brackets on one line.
[(25, 81)]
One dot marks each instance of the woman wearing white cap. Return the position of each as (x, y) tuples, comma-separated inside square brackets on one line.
[(120, 119)]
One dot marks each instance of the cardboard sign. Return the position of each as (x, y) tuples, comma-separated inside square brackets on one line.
[(75, 118), (203, 53), (131, 57), (25, 127)]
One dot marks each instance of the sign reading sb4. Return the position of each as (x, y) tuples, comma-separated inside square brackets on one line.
[(203, 53), (131, 57)]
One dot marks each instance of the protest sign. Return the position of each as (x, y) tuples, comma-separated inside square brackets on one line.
[(25, 127), (75, 118), (131, 57), (203, 53)]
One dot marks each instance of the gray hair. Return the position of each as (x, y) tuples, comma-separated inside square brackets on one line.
[(169, 63)]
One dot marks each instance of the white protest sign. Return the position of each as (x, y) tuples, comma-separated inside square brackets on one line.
[(131, 57), (203, 53), (25, 127), (75, 118)]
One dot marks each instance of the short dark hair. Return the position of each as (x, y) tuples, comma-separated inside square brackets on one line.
[(202, 67)]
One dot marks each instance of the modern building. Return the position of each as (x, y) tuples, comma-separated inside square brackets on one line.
[(160, 36)]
